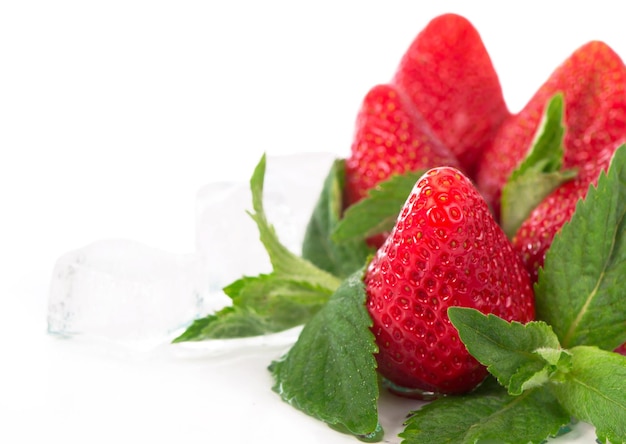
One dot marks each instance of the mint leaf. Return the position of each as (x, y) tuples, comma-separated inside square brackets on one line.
[(580, 291), (261, 305), (594, 391), (547, 149), (330, 373), (378, 211), (489, 414), (289, 296), (319, 247), (520, 356), (287, 303), (284, 262), (230, 322), (539, 173), (522, 195)]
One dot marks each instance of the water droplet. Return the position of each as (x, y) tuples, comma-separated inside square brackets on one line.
[(375, 436), (415, 393)]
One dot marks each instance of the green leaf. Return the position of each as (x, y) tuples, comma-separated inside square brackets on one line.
[(230, 322), (262, 304), (489, 414), (318, 246), (286, 302), (522, 195), (594, 391), (520, 356), (547, 149), (289, 296), (330, 373), (539, 173), (378, 211), (580, 291), (284, 262)]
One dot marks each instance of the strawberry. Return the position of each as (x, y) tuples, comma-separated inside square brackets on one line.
[(451, 81), (445, 250), (390, 137), (592, 81)]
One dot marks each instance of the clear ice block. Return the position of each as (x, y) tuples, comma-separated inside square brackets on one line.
[(126, 292)]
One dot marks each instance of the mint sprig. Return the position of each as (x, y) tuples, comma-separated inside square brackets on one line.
[(330, 373), (285, 263), (539, 173), (519, 356), (289, 296), (593, 391), (586, 381), (489, 414), (580, 291)]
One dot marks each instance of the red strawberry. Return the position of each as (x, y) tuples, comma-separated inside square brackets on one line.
[(445, 250), (450, 78), (592, 81), (390, 137)]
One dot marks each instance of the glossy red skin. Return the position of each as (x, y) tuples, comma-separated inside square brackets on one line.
[(621, 349), (451, 81), (593, 81), (390, 137), (445, 250)]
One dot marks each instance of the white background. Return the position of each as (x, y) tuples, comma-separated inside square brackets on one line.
[(113, 114)]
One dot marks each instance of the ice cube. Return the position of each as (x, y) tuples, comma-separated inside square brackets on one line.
[(227, 236), (126, 292)]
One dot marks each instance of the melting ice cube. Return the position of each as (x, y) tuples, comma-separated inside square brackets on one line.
[(126, 292), (129, 293)]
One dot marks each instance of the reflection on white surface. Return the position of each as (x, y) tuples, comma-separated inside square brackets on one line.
[(97, 393)]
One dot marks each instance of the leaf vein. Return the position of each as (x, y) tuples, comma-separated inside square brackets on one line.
[(593, 293), (599, 393)]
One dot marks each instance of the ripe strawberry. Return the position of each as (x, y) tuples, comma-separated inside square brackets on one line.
[(390, 137), (592, 81), (445, 250), (450, 78)]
